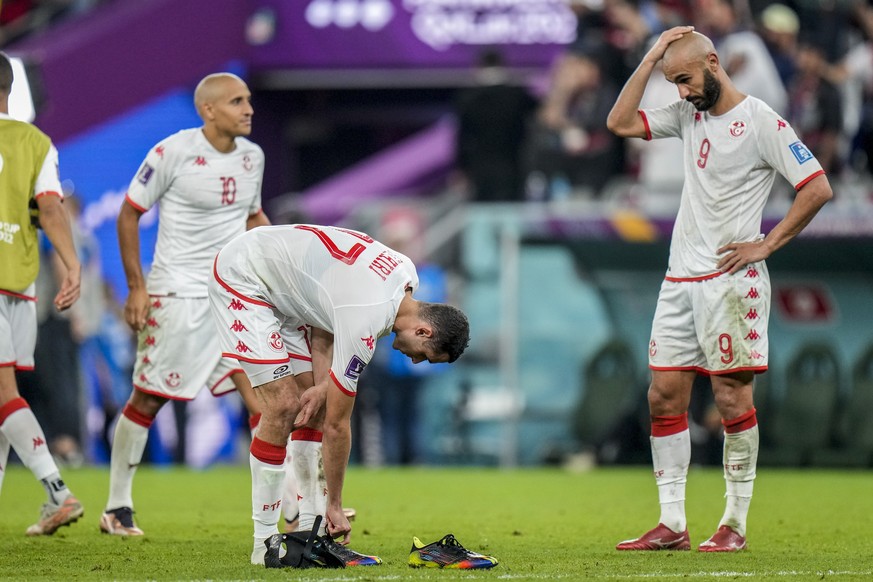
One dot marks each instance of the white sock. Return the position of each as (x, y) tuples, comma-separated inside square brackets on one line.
[(740, 470), (23, 433), (128, 445), (306, 458), (671, 456), (290, 501), (4, 457), (267, 480)]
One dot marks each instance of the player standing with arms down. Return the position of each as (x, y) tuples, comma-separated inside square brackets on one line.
[(713, 308), (352, 290), (207, 181), (28, 172)]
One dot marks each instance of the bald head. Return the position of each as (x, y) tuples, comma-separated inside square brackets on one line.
[(690, 47), (5, 74), (213, 88)]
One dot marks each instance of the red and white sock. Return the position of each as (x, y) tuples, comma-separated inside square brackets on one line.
[(25, 436), (671, 455), (128, 445), (268, 473), (312, 490), (741, 444)]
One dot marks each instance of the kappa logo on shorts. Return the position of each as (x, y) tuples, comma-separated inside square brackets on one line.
[(800, 151), (145, 174), (355, 367), (275, 341), (173, 379), (281, 371)]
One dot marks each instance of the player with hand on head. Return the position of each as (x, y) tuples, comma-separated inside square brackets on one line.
[(712, 311), (207, 181), (351, 290), (28, 175)]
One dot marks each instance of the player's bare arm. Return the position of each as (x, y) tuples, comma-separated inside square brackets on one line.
[(257, 219), (336, 446), (313, 399), (624, 119), (808, 201), (137, 304), (56, 224)]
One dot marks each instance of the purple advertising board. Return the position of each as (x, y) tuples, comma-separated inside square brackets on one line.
[(398, 34)]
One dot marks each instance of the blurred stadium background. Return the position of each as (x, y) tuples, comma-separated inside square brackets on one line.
[(355, 107)]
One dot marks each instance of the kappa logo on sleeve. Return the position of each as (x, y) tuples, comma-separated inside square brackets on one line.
[(355, 367), (800, 151), (145, 174)]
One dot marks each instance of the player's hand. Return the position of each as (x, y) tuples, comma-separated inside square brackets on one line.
[(338, 525), (311, 401), (69, 291), (136, 308), (656, 53), (741, 254)]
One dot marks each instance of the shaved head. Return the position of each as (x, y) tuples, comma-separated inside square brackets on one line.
[(691, 47), (213, 87)]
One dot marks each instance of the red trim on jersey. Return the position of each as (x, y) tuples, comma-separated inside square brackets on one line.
[(646, 123), (299, 357), (254, 419), (740, 423), (805, 182), (705, 372), (252, 360), (693, 279), (307, 434), (24, 368), (154, 393), (12, 406), (222, 379), (137, 417), (266, 452), (340, 386), (49, 193), (235, 293), (663, 426), (134, 204), (7, 364), (17, 295)]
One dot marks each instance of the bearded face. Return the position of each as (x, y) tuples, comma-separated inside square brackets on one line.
[(711, 92)]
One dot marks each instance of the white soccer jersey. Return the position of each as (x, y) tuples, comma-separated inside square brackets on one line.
[(205, 197), (731, 162), (332, 278)]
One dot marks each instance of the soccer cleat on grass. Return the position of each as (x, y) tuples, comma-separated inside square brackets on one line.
[(348, 556), (447, 553), (119, 522), (660, 538), (51, 517), (723, 540)]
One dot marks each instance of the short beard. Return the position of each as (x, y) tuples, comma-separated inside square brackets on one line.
[(711, 92)]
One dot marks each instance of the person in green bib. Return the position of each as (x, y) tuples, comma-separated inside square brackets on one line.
[(29, 180)]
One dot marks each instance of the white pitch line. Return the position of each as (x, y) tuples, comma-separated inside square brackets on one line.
[(588, 575)]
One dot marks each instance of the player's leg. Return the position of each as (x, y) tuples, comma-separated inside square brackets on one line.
[(19, 427), (733, 398), (673, 356), (279, 406), (128, 445), (23, 433), (290, 510)]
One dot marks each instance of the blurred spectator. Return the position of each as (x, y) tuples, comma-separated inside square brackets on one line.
[(18, 18), (391, 384), (572, 146), (743, 54), (493, 119), (779, 26), (816, 109), (55, 386)]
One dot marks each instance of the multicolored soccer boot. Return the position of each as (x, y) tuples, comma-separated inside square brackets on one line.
[(349, 556), (447, 553)]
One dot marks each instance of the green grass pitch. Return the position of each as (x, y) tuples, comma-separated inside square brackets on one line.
[(542, 524)]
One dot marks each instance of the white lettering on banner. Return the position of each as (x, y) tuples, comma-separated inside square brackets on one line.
[(8, 231), (443, 23)]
